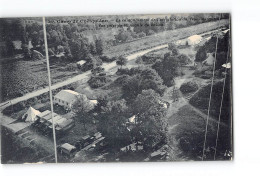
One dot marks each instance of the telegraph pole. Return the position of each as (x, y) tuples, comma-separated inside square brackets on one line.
[(49, 77)]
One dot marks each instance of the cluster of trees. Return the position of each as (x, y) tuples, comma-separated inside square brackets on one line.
[(66, 39), (150, 127), (170, 66), (139, 79)]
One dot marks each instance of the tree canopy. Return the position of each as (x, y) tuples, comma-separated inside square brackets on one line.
[(121, 60), (81, 107), (143, 79), (151, 126)]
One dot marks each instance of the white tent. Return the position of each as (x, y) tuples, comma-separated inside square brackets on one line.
[(30, 115), (194, 40), (210, 59)]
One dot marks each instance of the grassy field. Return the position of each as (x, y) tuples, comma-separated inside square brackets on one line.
[(19, 77)]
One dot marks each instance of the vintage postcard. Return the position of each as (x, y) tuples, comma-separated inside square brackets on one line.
[(116, 88)]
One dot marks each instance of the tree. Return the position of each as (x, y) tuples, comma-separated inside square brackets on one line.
[(26, 51), (172, 47), (75, 48), (168, 69), (151, 127), (99, 46), (112, 124), (141, 34), (184, 59), (201, 54), (82, 107), (121, 60), (143, 79), (10, 49), (151, 32), (123, 36), (97, 70)]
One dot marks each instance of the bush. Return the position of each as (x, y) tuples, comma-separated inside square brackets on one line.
[(123, 71), (151, 32), (139, 60), (107, 59), (141, 34), (150, 58), (98, 81), (189, 87)]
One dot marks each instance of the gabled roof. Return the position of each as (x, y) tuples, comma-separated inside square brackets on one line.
[(67, 95)]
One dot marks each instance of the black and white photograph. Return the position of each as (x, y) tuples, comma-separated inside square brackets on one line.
[(116, 88)]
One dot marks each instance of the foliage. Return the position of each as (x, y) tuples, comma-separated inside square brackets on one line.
[(168, 69), (112, 123), (150, 32), (149, 58), (151, 127), (97, 81), (143, 79), (141, 34), (189, 87), (201, 55), (172, 47), (81, 107), (183, 59), (107, 59), (123, 36), (121, 60), (97, 70), (99, 46)]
